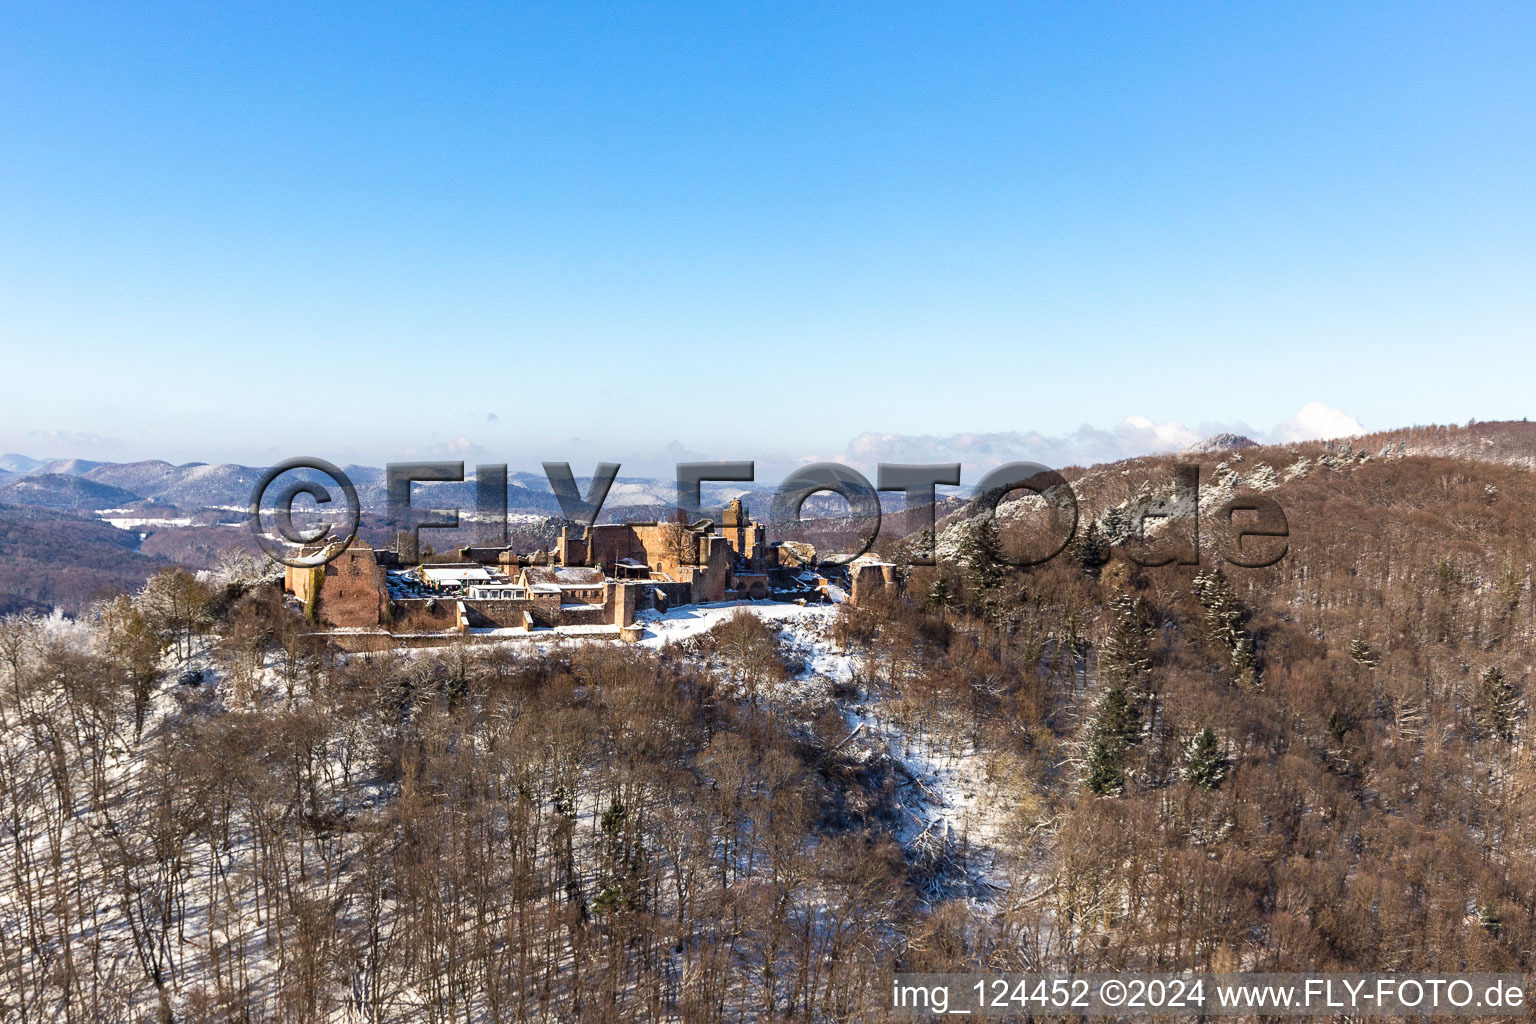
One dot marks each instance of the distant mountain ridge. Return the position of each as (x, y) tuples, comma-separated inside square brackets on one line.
[(14, 463), (60, 490), (26, 466), (195, 485), (56, 550)]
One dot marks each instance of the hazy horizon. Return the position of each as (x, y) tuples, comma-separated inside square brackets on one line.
[(976, 452)]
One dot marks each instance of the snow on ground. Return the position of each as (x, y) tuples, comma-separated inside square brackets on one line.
[(695, 619), (134, 523), (946, 812), (949, 805)]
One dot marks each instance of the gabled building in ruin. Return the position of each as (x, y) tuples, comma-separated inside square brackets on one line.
[(357, 590), (599, 576), (693, 562)]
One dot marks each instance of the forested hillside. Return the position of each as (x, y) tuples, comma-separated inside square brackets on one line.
[(209, 813)]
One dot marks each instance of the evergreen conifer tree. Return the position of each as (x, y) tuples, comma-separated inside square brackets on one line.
[(1360, 652), (1205, 765), (1115, 726), (1125, 657), (1224, 615), (981, 558), (1496, 705), (939, 595)]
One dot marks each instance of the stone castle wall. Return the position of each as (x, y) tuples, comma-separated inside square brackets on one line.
[(347, 592)]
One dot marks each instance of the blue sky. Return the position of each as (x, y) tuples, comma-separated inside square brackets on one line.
[(773, 232)]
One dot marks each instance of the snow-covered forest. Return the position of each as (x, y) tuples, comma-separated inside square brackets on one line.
[(209, 813)]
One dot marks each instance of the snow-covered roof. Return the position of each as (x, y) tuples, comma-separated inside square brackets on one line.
[(459, 574)]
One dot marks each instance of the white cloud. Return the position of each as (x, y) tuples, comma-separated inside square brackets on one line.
[(460, 447), (1087, 445), (1139, 429), (1316, 422), (977, 453), (70, 444)]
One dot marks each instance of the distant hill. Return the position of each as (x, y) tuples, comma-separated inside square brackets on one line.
[(62, 491), (14, 463), (69, 467), (143, 478), (194, 485), (81, 554), (51, 558), (165, 491), (1221, 443)]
